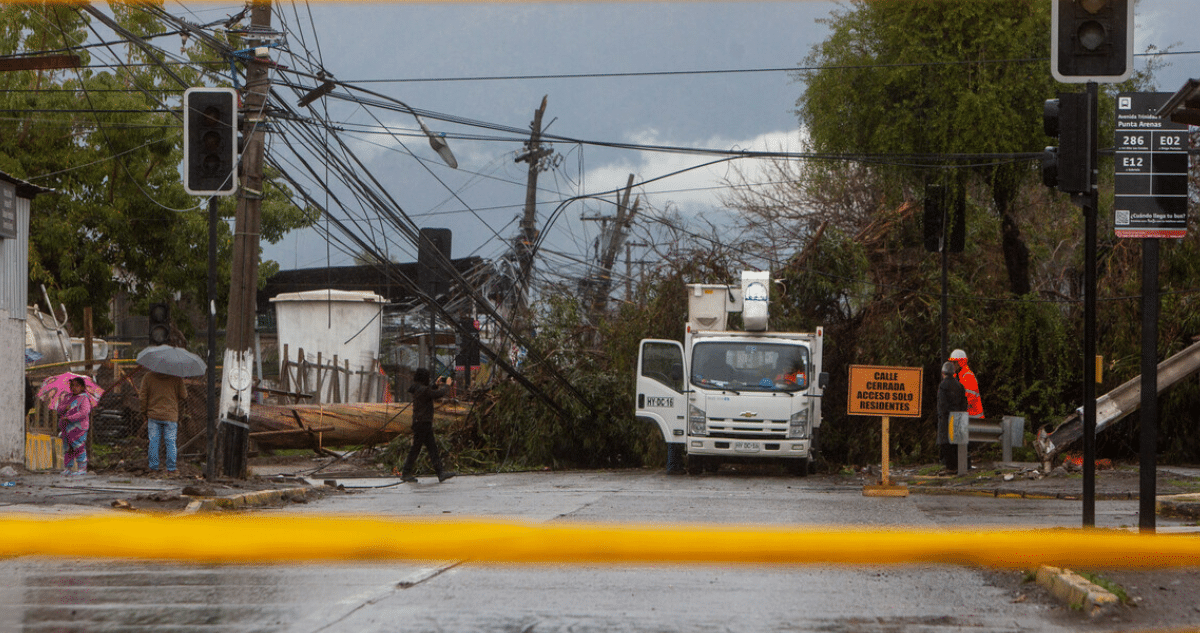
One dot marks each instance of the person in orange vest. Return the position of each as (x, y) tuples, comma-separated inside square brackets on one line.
[(967, 378)]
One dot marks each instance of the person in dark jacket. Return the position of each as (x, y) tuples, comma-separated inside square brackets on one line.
[(423, 396), (951, 396)]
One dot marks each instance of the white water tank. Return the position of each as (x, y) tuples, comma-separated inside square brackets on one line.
[(342, 323)]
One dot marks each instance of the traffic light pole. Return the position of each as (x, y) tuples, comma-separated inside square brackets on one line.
[(210, 400), (945, 291), (1091, 208)]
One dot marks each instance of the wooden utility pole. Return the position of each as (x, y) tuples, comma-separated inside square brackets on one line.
[(233, 436), (533, 154), (629, 268), (611, 241)]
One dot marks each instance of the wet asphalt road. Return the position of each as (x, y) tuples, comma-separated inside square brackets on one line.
[(90, 595)]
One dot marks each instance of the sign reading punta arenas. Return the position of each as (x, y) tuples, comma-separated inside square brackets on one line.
[(1151, 183)]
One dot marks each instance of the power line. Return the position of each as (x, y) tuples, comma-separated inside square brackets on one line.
[(731, 71)]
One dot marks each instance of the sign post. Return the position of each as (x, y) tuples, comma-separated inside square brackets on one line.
[(887, 392)]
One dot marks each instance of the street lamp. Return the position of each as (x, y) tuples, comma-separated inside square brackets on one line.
[(436, 141)]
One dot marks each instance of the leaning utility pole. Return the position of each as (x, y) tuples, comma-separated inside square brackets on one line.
[(233, 433), (533, 154), (611, 240)]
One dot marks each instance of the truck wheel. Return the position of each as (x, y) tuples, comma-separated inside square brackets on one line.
[(798, 467), (676, 455)]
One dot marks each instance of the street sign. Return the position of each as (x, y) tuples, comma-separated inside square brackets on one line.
[(1151, 181), (885, 391)]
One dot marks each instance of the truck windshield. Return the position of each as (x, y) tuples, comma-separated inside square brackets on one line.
[(750, 366)]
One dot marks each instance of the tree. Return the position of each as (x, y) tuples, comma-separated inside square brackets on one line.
[(901, 86), (936, 77), (108, 143)]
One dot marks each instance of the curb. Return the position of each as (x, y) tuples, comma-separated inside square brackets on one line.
[(1076, 591), (1001, 493), (248, 499), (1184, 506)]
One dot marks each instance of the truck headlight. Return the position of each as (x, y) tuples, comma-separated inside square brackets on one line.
[(696, 422), (798, 425)]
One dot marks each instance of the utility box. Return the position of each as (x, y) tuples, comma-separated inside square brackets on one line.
[(709, 306)]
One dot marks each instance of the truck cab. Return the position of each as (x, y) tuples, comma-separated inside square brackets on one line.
[(726, 396)]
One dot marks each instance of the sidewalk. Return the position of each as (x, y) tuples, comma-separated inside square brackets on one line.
[(1025, 480), (54, 493)]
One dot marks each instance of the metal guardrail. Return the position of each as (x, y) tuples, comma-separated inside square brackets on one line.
[(1009, 431)]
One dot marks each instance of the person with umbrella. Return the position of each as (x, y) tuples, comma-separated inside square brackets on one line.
[(72, 397), (74, 419), (163, 394)]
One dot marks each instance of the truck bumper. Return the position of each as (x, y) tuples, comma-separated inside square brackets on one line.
[(748, 448)]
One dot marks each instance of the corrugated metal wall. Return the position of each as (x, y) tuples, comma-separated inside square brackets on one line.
[(14, 279), (14, 265)]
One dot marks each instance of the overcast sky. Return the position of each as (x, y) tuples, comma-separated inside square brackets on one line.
[(381, 41)]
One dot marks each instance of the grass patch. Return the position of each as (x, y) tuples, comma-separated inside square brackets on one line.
[(292, 452), (1189, 484), (1108, 585)]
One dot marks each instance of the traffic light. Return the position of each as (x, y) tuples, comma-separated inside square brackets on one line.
[(159, 331), (433, 245), (1091, 40), (937, 215), (210, 141), (469, 344), (1067, 166)]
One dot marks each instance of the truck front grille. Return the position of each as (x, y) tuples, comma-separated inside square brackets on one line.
[(748, 429)]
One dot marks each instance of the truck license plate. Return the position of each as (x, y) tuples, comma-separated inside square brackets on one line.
[(747, 447)]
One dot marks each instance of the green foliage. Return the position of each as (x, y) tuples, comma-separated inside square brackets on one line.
[(1109, 586), (597, 430), (109, 146)]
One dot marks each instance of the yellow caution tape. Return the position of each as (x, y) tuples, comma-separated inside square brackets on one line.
[(259, 538)]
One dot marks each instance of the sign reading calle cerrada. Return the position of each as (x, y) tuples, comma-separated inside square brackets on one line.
[(885, 391)]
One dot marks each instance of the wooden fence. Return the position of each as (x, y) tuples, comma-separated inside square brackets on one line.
[(329, 381)]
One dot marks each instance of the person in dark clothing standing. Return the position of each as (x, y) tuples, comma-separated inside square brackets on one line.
[(951, 396), (423, 396)]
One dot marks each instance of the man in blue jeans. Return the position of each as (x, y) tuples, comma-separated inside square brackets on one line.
[(162, 399)]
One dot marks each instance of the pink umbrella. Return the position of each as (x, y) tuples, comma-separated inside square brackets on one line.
[(57, 387)]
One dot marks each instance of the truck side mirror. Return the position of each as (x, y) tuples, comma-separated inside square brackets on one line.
[(823, 380)]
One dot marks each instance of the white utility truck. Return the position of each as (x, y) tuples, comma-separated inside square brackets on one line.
[(729, 396)]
